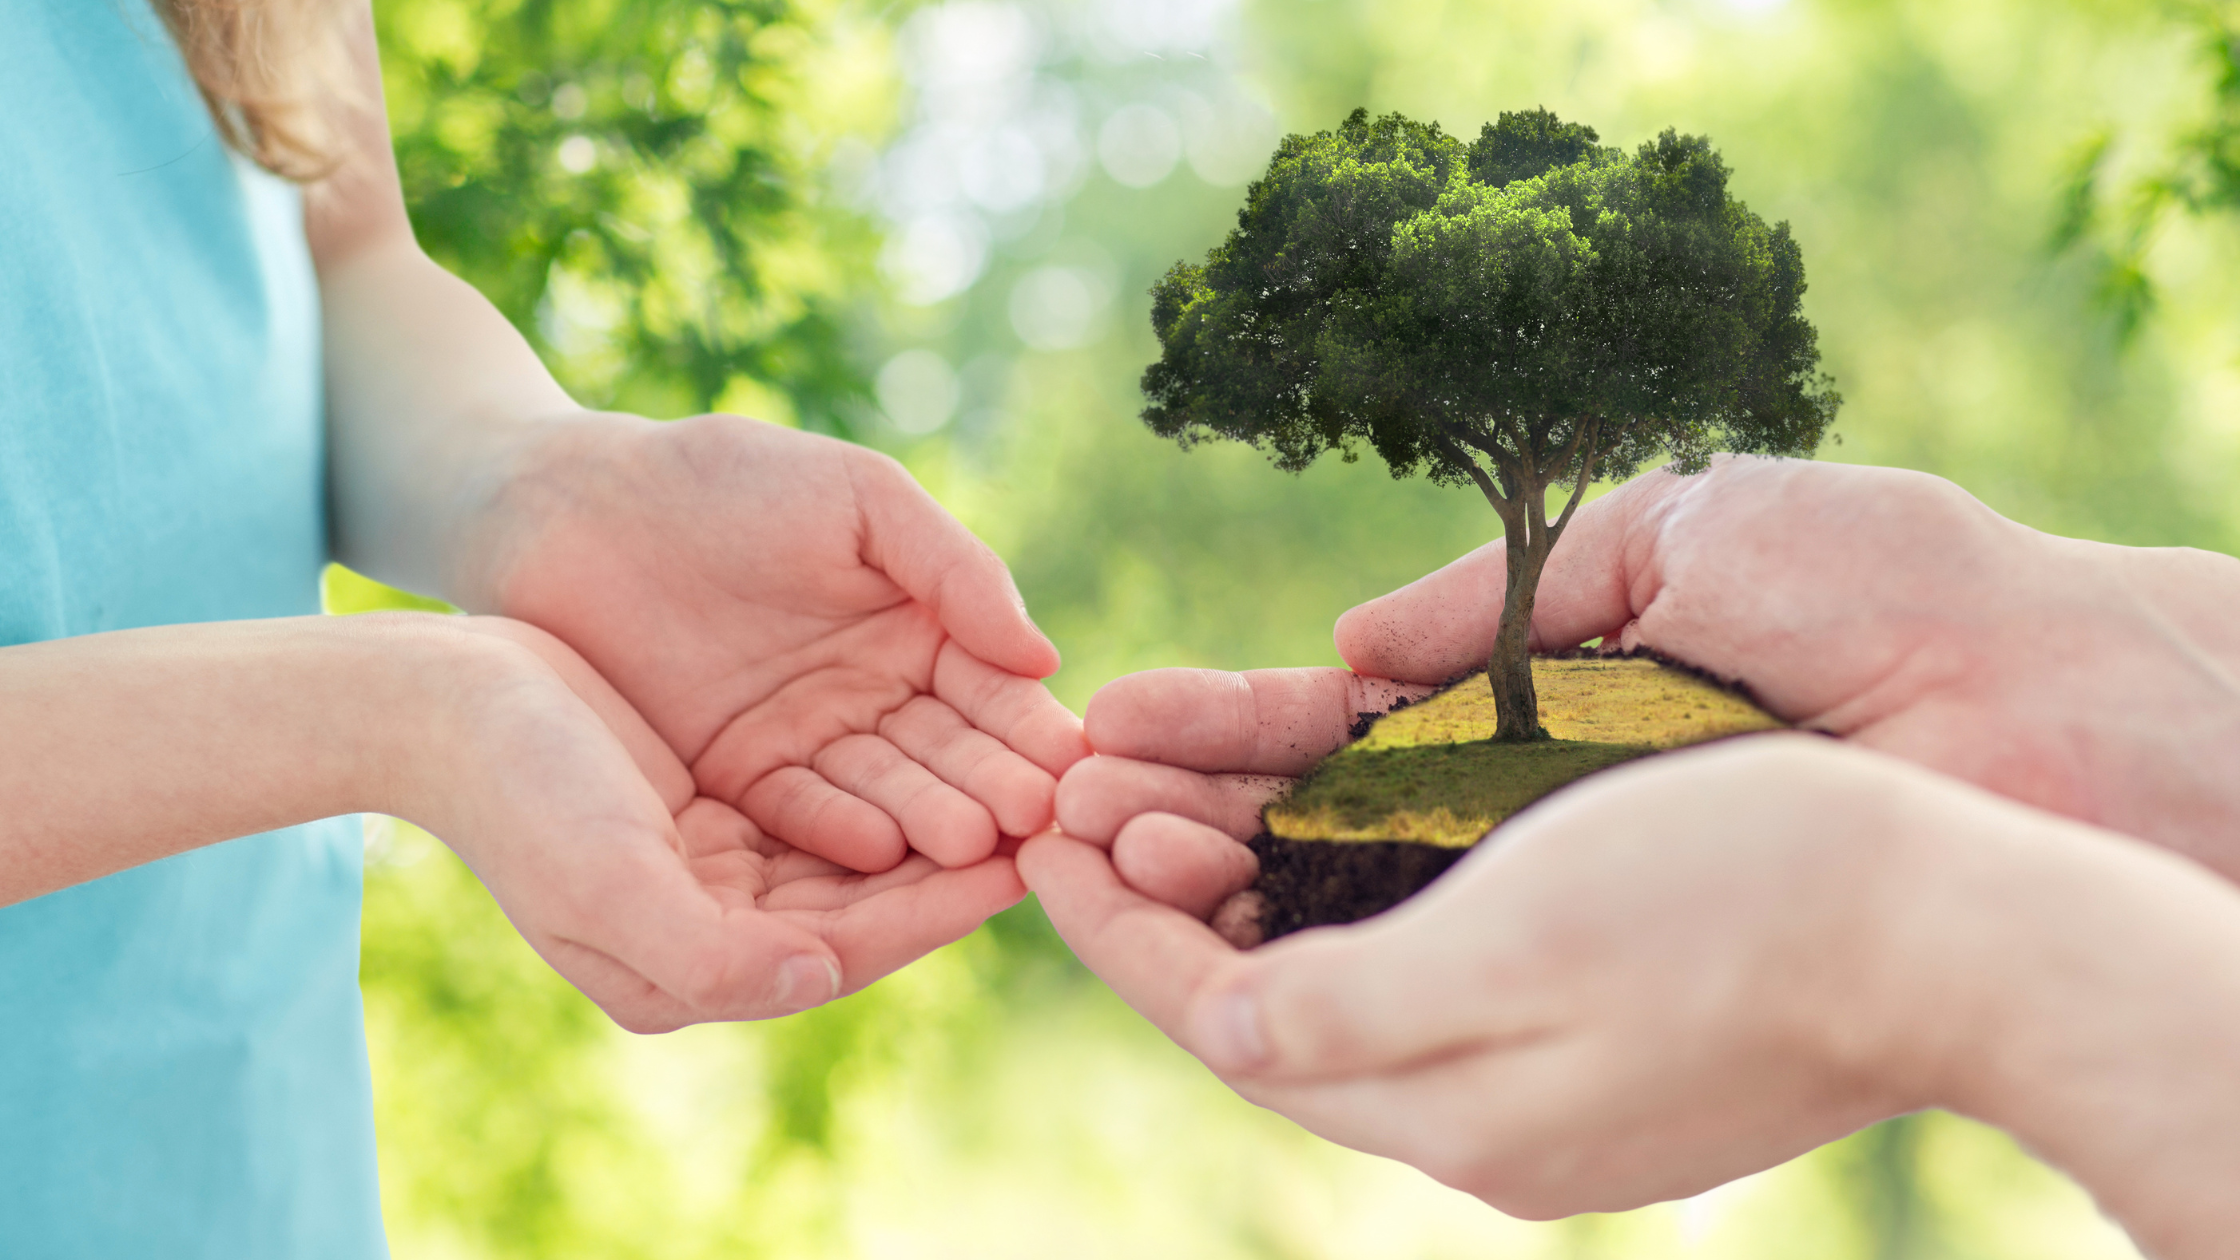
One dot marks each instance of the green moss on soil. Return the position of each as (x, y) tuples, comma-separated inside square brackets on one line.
[(1431, 772)]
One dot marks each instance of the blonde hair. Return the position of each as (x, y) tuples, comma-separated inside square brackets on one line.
[(273, 73)]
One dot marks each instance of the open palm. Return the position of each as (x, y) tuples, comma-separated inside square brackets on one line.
[(662, 905), (846, 671)]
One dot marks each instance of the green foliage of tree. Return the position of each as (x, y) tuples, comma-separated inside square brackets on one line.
[(1527, 311), (626, 180)]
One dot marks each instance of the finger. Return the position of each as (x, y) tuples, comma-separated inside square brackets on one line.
[(1320, 1004), (1157, 958), (940, 563), (633, 1002), (798, 806), (1442, 625), (1241, 919), (639, 923), (878, 935), (1018, 792), (936, 819), (791, 725), (710, 828), (1185, 864), (1262, 721), (837, 889), (1020, 712), (1098, 797), (1375, 997), (740, 865)]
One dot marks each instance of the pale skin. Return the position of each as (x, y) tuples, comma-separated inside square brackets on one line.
[(765, 742), (1693, 968)]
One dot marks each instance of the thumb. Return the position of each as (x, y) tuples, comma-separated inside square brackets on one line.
[(1368, 999), (940, 563), (1327, 1003), (1442, 625)]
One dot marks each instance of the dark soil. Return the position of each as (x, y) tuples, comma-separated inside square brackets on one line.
[(1328, 853), (1311, 883)]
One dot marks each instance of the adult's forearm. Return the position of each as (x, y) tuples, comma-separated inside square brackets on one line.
[(122, 748), (2114, 1047)]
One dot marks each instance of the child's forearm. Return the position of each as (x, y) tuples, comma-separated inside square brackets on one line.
[(435, 403), (432, 395), (118, 749)]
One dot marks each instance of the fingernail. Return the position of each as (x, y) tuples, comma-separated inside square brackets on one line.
[(807, 980), (1229, 1033)]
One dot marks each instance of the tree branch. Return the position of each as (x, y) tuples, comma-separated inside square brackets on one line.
[(1522, 441), (1504, 462), (1504, 465), (1586, 476), (1572, 448), (1501, 505)]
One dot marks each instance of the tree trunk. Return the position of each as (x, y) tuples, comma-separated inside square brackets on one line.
[(1516, 704)]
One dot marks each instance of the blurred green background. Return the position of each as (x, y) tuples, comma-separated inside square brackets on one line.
[(931, 228)]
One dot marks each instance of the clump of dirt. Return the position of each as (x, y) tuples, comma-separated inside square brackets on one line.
[(1380, 819), (1311, 883)]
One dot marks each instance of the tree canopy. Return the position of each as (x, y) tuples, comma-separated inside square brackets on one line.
[(1527, 308)]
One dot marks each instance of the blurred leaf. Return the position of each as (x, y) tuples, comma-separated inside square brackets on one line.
[(627, 181), (2199, 177), (2080, 191)]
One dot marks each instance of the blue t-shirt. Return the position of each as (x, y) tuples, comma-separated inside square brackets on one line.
[(182, 1048)]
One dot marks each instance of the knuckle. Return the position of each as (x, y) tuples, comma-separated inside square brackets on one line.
[(919, 717), (980, 764), (782, 792)]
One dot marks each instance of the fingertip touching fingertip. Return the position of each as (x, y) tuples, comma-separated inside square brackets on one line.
[(1040, 856), (958, 855)]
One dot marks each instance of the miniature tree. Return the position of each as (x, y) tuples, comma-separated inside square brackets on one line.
[(1529, 310)]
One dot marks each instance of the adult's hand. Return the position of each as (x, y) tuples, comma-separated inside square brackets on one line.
[(1896, 611), (1889, 608), (831, 653), (1695, 967)]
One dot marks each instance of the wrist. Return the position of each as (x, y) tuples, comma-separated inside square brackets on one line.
[(428, 681), (118, 749), (527, 478), (2101, 1019)]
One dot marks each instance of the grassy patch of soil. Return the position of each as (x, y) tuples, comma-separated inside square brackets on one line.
[(1388, 813), (1431, 772)]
